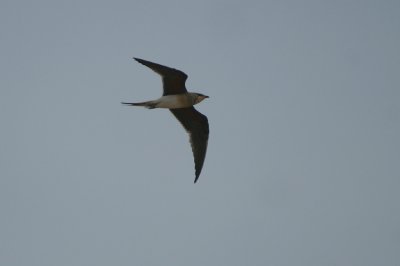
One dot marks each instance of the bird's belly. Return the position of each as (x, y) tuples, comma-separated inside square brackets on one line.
[(174, 101)]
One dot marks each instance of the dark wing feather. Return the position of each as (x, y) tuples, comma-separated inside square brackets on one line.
[(173, 79), (196, 124)]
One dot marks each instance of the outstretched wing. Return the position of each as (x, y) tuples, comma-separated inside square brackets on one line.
[(196, 124), (173, 79)]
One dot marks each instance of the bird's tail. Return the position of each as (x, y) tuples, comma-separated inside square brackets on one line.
[(148, 104)]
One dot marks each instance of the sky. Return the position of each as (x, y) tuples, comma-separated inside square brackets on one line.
[(303, 158)]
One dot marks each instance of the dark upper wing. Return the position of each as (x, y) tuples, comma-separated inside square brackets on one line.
[(196, 124), (173, 79)]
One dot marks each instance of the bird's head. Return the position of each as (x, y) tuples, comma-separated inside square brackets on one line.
[(200, 97)]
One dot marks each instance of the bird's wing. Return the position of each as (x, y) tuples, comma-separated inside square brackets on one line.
[(173, 79), (196, 124)]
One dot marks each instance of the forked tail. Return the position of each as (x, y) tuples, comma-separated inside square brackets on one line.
[(148, 104)]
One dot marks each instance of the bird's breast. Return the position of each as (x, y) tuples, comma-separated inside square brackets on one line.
[(175, 101)]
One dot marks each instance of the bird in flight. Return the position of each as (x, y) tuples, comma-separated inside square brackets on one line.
[(180, 102)]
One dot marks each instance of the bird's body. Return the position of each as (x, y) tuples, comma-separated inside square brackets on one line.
[(180, 102), (175, 101)]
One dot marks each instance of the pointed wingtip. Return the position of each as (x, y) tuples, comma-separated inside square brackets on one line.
[(142, 61)]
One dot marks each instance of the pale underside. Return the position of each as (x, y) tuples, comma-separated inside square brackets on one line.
[(175, 101)]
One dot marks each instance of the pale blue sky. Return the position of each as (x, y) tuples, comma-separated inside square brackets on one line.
[(304, 151)]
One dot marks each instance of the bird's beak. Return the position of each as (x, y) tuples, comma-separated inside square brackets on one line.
[(205, 96)]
